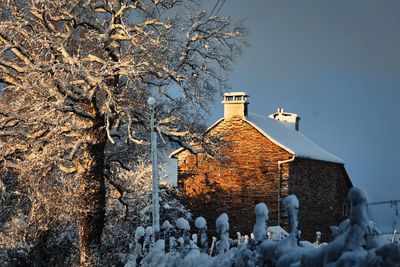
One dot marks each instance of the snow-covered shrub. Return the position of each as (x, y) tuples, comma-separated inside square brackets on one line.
[(260, 228), (292, 206), (184, 226), (223, 229), (351, 246), (166, 234), (201, 225)]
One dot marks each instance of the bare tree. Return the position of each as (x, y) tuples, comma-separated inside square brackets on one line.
[(77, 74)]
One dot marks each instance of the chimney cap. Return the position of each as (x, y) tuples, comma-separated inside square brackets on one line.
[(286, 117), (235, 97), (235, 94), (282, 112)]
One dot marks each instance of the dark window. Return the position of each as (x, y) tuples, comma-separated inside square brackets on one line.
[(238, 98), (229, 98)]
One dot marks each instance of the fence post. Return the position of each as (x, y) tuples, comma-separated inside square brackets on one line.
[(394, 236)]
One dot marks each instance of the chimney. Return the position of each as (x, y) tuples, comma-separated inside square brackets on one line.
[(290, 119), (235, 105)]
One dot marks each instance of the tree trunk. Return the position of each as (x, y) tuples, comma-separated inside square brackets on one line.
[(92, 187)]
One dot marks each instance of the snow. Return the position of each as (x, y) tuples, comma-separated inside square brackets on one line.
[(292, 206), (166, 225), (289, 119), (351, 246), (223, 229), (182, 224), (200, 223), (318, 237), (149, 230), (139, 233), (289, 139), (277, 233), (260, 228)]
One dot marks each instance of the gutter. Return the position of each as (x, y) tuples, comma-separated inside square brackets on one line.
[(280, 162)]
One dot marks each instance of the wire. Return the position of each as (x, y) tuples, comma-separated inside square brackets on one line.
[(215, 6), (219, 9), (392, 202)]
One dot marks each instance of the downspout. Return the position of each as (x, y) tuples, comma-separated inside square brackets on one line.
[(280, 162)]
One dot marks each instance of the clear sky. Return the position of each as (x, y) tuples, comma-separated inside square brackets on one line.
[(336, 64)]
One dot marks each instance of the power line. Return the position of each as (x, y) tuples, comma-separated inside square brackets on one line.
[(215, 6), (219, 9), (391, 202)]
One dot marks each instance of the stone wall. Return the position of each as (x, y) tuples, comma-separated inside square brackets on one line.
[(247, 174), (321, 188)]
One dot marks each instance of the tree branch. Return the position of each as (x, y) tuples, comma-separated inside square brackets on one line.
[(77, 111), (17, 51), (185, 145), (121, 192)]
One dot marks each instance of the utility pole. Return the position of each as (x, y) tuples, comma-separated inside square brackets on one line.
[(154, 170)]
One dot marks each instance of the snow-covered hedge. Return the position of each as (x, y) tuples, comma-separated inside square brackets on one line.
[(356, 243)]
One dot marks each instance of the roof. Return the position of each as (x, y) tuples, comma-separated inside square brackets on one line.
[(286, 137), (289, 139)]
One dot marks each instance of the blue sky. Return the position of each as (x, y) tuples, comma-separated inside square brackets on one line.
[(337, 65)]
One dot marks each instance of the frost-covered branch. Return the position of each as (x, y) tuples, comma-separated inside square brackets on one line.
[(77, 75)]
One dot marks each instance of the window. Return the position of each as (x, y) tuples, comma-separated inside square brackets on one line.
[(238, 98), (229, 98)]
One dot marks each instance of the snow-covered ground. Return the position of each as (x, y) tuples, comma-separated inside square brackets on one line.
[(357, 243)]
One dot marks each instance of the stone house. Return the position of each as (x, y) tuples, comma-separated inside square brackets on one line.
[(263, 160)]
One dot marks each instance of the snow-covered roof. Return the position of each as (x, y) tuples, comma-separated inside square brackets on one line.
[(290, 139), (286, 137)]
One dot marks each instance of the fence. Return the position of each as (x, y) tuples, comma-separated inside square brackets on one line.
[(181, 240), (209, 246), (388, 222), (183, 245)]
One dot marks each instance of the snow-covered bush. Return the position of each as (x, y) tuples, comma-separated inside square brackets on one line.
[(260, 228), (352, 245), (223, 230), (184, 226), (201, 225)]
